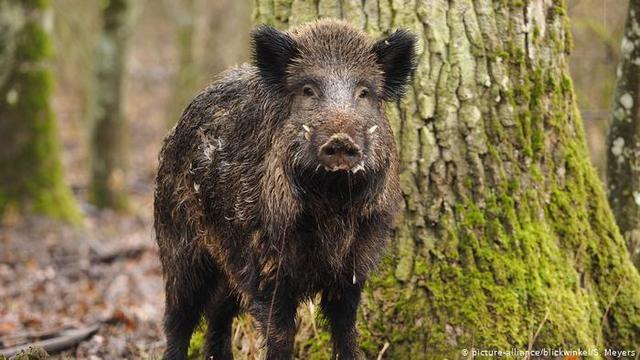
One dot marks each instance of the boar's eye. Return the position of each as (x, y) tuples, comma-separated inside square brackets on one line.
[(308, 91), (363, 93)]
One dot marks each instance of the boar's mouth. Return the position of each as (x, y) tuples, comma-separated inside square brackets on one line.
[(340, 187)]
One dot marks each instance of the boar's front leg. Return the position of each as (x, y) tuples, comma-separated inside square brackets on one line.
[(275, 312), (340, 306), (220, 313), (184, 303)]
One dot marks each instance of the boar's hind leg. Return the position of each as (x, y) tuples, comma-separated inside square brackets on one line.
[(186, 293), (220, 313), (340, 307)]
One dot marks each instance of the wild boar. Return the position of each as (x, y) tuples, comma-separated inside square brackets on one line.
[(279, 182)]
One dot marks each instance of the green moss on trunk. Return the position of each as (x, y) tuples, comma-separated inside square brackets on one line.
[(31, 177)]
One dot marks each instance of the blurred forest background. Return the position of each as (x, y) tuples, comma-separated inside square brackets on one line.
[(54, 277)]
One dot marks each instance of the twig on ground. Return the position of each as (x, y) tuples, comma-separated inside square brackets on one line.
[(23, 337), (99, 254), (383, 350), (613, 300), (66, 340), (533, 337)]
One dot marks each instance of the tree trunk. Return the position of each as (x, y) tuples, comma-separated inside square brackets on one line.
[(31, 175), (623, 151), (226, 36), (507, 240), (108, 137), (186, 79), (211, 36)]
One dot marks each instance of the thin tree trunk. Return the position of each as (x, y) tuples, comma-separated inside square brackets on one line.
[(507, 240), (108, 137), (226, 36), (31, 175), (623, 152), (186, 79), (211, 36)]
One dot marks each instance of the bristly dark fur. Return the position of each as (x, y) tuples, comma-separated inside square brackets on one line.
[(247, 219)]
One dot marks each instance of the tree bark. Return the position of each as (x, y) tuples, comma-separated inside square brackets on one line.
[(31, 174), (623, 151), (108, 126), (507, 240)]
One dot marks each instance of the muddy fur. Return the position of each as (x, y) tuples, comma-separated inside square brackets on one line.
[(247, 219)]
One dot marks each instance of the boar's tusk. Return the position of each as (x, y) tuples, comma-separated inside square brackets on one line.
[(372, 129), (307, 132), (357, 168)]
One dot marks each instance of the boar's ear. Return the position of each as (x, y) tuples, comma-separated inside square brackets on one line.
[(396, 54), (273, 50)]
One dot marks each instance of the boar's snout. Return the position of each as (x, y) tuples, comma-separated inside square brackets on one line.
[(340, 152)]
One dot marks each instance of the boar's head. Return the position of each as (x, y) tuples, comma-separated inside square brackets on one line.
[(335, 80)]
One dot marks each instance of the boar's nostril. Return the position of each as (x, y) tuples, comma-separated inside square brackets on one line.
[(340, 152), (330, 150)]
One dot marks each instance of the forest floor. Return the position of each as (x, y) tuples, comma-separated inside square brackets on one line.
[(55, 277), (107, 273)]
